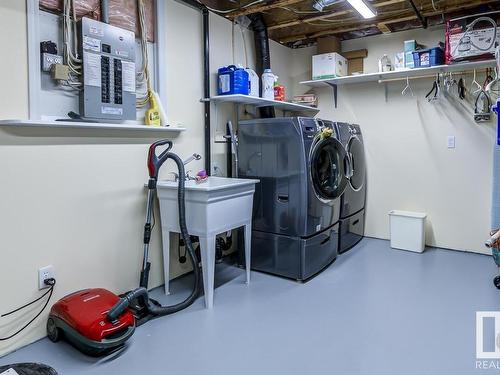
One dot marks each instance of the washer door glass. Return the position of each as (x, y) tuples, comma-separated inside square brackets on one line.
[(357, 152), (327, 168)]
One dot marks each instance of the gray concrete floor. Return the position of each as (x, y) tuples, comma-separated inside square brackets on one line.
[(374, 311)]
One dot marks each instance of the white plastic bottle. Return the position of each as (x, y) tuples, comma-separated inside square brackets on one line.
[(384, 64), (253, 81), (268, 81)]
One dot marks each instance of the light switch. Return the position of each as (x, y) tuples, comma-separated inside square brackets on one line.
[(451, 141)]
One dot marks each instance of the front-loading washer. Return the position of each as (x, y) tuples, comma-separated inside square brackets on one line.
[(297, 202), (352, 211)]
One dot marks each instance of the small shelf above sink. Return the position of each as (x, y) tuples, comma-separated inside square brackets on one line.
[(260, 102)]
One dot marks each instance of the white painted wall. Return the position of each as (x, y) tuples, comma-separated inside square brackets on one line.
[(78, 202), (409, 165)]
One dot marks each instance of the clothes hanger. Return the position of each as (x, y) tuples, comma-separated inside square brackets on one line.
[(449, 81), (488, 79), (489, 86), (461, 88), (407, 87), (435, 90), (476, 83)]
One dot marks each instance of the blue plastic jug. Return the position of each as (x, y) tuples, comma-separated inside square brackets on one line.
[(233, 80)]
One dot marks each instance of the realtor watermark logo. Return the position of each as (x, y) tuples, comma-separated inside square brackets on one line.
[(488, 340)]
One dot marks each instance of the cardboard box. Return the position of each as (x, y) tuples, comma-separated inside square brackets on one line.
[(355, 66), (464, 44), (355, 61), (328, 65), (328, 45), (409, 62), (410, 45), (399, 61)]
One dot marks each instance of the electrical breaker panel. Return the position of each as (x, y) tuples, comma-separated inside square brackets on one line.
[(108, 60)]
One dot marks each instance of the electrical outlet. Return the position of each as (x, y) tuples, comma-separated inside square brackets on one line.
[(451, 141), (45, 273)]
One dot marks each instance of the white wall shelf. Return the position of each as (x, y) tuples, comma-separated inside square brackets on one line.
[(410, 73), (88, 125), (260, 102), (384, 77)]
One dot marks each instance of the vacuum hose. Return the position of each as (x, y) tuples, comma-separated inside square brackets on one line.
[(154, 163), (166, 310)]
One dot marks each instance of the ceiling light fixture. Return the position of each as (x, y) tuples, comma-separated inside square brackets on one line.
[(319, 5), (363, 8)]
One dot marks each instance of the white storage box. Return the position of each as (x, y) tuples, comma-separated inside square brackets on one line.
[(328, 65), (408, 230)]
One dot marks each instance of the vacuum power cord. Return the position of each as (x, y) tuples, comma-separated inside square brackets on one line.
[(50, 282)]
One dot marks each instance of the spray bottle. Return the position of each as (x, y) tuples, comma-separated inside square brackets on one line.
[(268, 80), (152, 116)]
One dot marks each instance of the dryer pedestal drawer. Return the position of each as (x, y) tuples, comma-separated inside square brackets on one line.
[(294, 257), (352, 230)]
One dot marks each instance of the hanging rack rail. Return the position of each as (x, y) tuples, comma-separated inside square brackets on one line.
[(458, 72)]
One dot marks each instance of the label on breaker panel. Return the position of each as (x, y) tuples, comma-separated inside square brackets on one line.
[(91, 44), (92, 69), (121, 53), (96, 31), (128, 76), (111, 111)]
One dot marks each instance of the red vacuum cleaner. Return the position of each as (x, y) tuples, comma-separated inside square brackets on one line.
[(82, 318), (97, 321)]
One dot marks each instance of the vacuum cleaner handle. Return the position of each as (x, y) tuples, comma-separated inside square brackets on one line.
[(155, 161)]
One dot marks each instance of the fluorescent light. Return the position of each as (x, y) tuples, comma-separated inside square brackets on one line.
[(363, 8), (319, 5)]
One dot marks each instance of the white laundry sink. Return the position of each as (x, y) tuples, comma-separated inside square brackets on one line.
[(209, 205), (212, 207)]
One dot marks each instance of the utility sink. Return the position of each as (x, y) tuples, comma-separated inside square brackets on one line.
[(213, 183), (212, 207), (209, 205)]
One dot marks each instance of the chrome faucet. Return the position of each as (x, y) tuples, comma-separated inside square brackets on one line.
[(185, 162), (191, 158)]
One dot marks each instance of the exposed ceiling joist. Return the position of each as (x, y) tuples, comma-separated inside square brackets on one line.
[(419, 15), (402, 18), (262, 8), (328, 15), (384, 28)]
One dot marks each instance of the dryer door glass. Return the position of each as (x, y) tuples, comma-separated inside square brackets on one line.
[(355, 148), (327, 168)]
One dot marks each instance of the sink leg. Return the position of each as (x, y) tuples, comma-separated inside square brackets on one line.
[(207, 247), (166, 259), (248, 249)]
